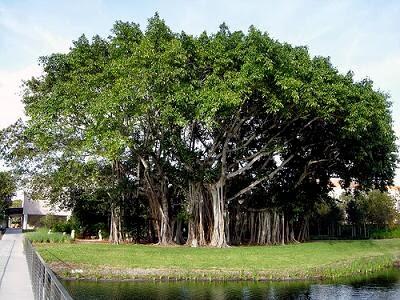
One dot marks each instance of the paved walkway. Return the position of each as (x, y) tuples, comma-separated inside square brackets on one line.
[(14, 275)]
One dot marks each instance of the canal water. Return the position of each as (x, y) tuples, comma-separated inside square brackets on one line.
[(385, 285)]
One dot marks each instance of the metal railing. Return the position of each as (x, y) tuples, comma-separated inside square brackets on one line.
[(45, 283)]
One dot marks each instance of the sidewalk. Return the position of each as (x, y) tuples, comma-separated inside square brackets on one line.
[(14, 275)]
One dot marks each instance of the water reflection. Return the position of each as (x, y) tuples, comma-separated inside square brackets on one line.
[(385, 285)]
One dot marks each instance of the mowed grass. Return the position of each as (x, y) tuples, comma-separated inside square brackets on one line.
[(314, 259)]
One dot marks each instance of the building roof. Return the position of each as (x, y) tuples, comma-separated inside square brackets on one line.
[(394, 188), (14, 211), (41, 207), (335, 182)]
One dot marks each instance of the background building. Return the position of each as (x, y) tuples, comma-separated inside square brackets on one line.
[(27, 213), (337, 191)]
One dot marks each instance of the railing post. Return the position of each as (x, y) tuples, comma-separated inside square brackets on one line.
[(45, 283)]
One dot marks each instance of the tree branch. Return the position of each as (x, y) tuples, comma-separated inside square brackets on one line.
[(257, 182), (247, 166), (305, 172)]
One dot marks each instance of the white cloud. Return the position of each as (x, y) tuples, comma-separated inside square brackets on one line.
[(35, 41), (10, 93), (46, 38), (385, 74)]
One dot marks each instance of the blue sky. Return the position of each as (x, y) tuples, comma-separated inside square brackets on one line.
[(362, 36)]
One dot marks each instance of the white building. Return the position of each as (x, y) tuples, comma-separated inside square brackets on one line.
[(32, 211), (337, 191), (394, 191)]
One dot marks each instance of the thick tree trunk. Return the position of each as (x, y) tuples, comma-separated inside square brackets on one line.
[(307, 230), (365, 230), (218, 237), (266, 227), (165, 237), (275, 228), (287, 232), (300, 236), (115, 225), (178, 232), (252, 227), (115, 216), (241, 225), (196, 210), (157, 193), (283, 229), (159, 209), (292, 237), (227, 227), (268, 241), (237, 227)]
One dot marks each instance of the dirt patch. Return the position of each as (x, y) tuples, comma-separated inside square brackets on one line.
[(89, 241), (90, 272), (87, 272)]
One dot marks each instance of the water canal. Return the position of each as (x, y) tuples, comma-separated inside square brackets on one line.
[(384, 285)]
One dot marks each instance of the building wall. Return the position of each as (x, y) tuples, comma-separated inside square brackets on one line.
[(337, 191), (35, 221), (34, 210), (395, 193)]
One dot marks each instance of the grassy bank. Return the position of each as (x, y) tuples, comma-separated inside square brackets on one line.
[(42, 235), (323, 259)]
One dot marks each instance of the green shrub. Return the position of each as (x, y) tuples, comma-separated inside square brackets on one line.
[(61, 227), (16, 203), (100, 226), (93, 229), (66, 226), (57, 224), (389, 233), (49, 221), (42, 236), (374, 207)]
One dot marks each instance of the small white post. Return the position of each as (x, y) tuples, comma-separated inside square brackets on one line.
[(25, 222)]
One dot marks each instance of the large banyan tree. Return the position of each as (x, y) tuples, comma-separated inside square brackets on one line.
[(233, 135)]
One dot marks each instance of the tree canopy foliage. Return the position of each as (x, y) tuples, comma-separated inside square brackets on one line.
[(373, 207), (233, 135), (7, 190)]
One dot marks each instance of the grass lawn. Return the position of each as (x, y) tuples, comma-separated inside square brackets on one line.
[(325, 259)]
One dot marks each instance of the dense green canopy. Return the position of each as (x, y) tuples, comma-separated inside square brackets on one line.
[(7, 190), (207, 130)]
